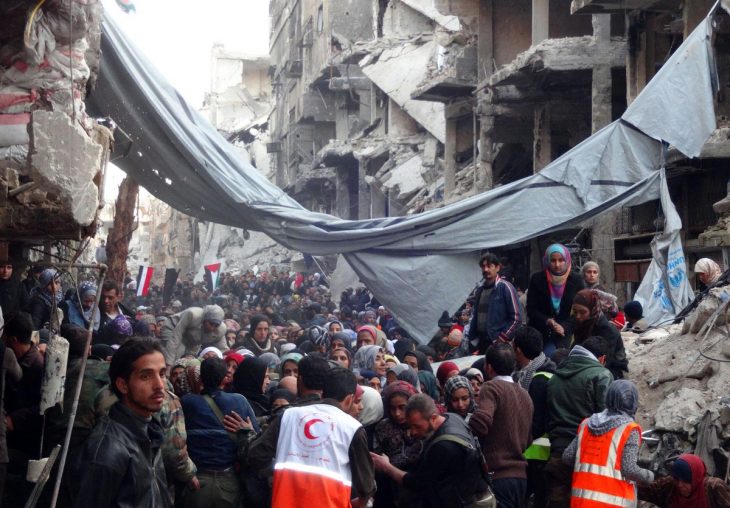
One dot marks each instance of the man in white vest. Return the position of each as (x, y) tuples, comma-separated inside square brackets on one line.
[(321, 451)]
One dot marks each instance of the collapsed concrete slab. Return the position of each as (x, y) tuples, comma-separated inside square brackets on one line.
[(64, 160), (560, 55), (398, 72)]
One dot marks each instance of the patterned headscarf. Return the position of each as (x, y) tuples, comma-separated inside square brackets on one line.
[(454, 384), (397, 388), (556, 281)]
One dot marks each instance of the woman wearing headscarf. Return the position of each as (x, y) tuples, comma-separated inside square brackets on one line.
[(612, 429), (590, 321), (371, 358), (257, 339), (45, 297), (459, 397), (688, 486), (708, 272), (77, 309), (251, 380), (342, 356), (550, 297), (591, 274), (391, 437), (422, 366), (403, 372), (289, 365)]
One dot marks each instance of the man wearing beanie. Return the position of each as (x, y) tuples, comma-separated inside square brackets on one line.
[(187, 332), (635, 321)]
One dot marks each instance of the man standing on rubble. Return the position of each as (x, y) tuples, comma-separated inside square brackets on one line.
[(189, 331)]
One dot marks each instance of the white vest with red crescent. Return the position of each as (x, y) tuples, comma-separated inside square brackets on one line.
[(312, 457)]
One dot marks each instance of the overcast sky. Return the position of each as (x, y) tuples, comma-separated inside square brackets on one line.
[(177, 37)]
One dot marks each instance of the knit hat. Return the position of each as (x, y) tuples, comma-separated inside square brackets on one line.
[(318, 335), (633, 310), (681, 471), (455, 337), (445, 320), (120, 326), (47, 276), (213, 314), (87, 288), (446, 368), (232, 355)]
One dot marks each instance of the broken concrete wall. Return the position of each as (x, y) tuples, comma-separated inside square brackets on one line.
[(352, 19), (50, 150), (401, 20), (512, 33)]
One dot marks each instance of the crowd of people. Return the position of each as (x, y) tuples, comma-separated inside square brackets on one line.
[(265, 392)]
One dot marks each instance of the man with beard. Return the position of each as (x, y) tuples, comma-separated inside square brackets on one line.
[(121, 463), (449, 472), (111, 309)]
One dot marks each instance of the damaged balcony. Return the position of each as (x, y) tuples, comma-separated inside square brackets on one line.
[(454, 76), (554, 63)]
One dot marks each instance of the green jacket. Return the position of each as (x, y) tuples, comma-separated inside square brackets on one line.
[(575, 392)]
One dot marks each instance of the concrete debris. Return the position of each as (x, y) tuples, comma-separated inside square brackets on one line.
[(681, 411), (66, 168), (43, 79)]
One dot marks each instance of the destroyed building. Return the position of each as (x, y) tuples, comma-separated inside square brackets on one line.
[(52, 153), (393, 107)]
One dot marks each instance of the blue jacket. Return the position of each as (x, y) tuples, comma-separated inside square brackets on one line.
[(504, 316), (209, 445)]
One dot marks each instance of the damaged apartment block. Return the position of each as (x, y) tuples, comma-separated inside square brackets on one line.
[(52, 154)]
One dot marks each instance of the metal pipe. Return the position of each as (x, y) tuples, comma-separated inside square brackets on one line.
[(77, 393), (22, 188)]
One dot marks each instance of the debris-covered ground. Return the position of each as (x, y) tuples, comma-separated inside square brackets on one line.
[(683, 375)]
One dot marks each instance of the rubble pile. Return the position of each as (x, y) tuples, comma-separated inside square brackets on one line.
[(51, 151), (683, 373)]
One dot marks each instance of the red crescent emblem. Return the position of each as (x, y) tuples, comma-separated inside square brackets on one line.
[(308, 428)]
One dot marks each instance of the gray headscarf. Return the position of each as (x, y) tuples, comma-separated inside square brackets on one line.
[(622, 402), (365, 357), (404, 372)]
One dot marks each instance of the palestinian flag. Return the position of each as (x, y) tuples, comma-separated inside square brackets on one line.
[(212, 272), (144, 277)]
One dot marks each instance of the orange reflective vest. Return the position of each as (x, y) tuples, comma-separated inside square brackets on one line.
[(597, 478)]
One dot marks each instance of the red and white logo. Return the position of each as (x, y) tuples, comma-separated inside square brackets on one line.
[(315, 429)]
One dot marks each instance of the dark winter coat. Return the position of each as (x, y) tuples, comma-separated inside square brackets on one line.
[(121, 466), (540, 307)]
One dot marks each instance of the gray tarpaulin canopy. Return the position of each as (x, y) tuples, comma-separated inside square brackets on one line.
[(419, 265)]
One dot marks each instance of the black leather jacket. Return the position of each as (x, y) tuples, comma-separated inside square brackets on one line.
[(120, 465)]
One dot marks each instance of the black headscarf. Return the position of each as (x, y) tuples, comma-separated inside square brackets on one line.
[(423, 363), (403, 346), (248, 380)]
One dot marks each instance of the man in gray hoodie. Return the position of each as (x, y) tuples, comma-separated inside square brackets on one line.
[(575, 392)]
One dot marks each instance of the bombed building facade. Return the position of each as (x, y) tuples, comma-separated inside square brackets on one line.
[(392, 107)]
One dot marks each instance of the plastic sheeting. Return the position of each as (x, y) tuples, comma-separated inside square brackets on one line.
[(417, 265)]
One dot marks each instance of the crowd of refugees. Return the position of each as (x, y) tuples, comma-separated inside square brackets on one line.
[(267, 393)]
